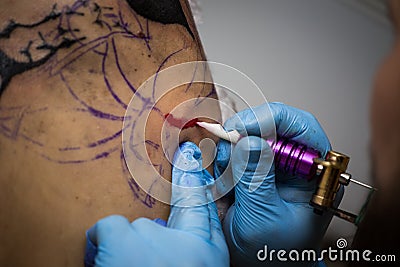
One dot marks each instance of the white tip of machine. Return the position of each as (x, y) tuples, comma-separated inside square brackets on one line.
[(217, 130)]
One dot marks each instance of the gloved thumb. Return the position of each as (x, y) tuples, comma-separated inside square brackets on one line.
[(252, 161), (253, 170), (189, 210)]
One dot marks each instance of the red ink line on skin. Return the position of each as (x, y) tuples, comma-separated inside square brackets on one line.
[(180, 123)]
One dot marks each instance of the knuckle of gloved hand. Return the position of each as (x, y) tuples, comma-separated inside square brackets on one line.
[(252, 144), (108, 223), (251, 150), (230, 123), (310, 117), (141, 223)]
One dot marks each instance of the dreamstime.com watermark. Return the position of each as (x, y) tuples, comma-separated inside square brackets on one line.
[(340, 253)]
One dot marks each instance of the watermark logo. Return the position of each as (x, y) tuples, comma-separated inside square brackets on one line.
[(341, 243), (338, 253)]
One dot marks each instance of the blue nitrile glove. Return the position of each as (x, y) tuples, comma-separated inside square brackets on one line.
[(277, 215), (193, 236)]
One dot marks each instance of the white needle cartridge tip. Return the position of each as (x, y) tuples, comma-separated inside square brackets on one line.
[(217, 130)]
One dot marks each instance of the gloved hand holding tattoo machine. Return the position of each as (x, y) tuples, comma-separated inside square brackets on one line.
[(278, 213)]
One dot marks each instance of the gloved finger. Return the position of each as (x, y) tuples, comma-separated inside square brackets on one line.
[(252, 121), (255, 192), (217, 235), (299, 126), (110, 231), (189, 210), (256, 121), (290, 122), (222, 158)]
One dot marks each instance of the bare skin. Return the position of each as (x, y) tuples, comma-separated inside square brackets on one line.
[(61, 167)]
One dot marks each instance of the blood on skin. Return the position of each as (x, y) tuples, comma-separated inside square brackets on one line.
[(180, 123)]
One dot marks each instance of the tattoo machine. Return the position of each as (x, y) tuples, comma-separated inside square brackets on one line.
[(302, 161)]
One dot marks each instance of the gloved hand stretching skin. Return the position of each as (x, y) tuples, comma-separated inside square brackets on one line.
[(193, 236), (277, 214)]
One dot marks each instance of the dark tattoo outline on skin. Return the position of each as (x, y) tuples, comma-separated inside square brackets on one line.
[(10, 67), (117, 26)]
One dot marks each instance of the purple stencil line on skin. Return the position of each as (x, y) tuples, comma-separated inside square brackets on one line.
[(160, 169), (159, 68), (134, 187), (147, 35), (90, 49), (104, 154), (134, 15), (68, 148), (75, 6), (191, 81), (62, 162), (13, 134), (105, 140), (10, 108), (141, 27), (109, 88), (135, 153), (31, 140), (36, 110), (131, 144), (131, 136), (130, 85), (107, 24), (102, 21), (200, 99), (97, 39), (124, 25), (86, 110), (6, 131), (110, 15), (149, 200), (59, 25), (121, 21), (91, 145), (47, 35), (93, 111), (101, 155), (151, 143), (18, 125), (137, 192), (6, 118), (96, 42)]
